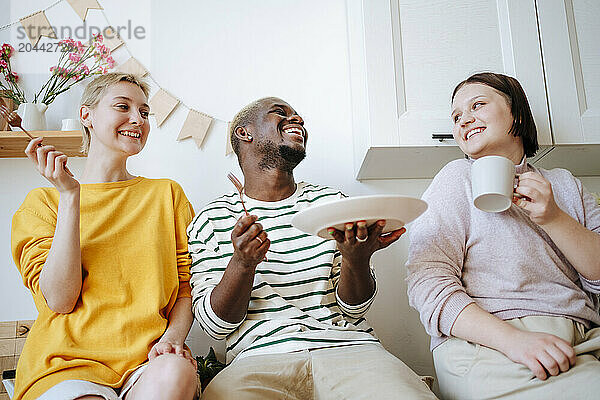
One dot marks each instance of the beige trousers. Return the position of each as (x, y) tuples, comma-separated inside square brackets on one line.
[(348, 372), (470, 371)]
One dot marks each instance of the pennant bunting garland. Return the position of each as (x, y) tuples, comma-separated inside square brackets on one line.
[(132, 66), (229, 147), (161, 105), (195, 126), (37, 25), (81, 7), (112, 40)]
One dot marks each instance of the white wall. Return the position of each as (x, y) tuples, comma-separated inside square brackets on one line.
[(216, 57)]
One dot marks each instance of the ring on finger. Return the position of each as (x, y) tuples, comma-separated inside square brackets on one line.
[(260, 240), (362, 240)]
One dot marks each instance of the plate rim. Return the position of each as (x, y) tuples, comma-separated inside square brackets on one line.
[(417, 200)]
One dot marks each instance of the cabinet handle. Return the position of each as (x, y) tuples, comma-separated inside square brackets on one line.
[(442, 136)]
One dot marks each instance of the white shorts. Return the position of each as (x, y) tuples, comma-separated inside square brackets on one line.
[(75, 388)]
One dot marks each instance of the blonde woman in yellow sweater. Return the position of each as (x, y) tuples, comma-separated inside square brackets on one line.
[(105, 258)]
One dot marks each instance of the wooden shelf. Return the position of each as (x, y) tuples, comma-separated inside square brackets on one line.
[(13, 143)]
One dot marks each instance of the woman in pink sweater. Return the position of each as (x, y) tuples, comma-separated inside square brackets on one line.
[(510, 299)]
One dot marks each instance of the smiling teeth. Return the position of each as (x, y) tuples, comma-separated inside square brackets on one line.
[(296, 131), (473, 132), (131, 134)]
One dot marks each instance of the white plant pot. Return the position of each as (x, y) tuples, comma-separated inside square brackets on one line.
[(33, 116)]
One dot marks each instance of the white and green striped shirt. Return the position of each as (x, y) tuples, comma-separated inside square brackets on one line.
[(294, 304)]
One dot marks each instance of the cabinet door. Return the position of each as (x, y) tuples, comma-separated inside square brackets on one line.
[(439, 43), (569, 32)]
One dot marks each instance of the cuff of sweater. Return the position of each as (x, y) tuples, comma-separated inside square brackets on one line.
[(184, 290), (355, 310), (455, 303), (590, 286), (213, 324)]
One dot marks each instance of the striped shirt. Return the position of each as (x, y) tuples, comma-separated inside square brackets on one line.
[(294, 303)]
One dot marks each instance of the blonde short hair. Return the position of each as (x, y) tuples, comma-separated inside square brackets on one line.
[(95, 90)]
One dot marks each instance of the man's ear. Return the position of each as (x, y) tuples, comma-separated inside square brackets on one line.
[(85, 116), (242, 134)]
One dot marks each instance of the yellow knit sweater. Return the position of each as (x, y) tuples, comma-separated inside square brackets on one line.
[(135, 266)]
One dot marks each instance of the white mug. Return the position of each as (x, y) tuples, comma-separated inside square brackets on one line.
[(492, 182), (70, 124)]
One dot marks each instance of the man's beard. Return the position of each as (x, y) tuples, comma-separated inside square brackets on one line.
[(281, 157)]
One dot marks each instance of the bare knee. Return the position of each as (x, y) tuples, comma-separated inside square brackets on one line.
[(176, 370)]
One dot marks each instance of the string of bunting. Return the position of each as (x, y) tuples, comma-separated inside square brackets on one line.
[(162, 103)]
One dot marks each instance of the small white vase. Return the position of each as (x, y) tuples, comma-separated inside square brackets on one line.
[(33, 116)]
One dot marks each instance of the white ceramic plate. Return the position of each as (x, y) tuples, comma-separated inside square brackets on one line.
[(395, 209)]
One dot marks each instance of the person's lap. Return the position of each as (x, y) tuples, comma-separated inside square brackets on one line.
[(470, 371), (364, 372), (75, 389), (349, 372)]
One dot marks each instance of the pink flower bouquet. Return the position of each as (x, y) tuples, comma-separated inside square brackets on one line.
[(8, 86), (77, 61)]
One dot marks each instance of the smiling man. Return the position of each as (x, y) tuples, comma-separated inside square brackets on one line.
[(290, 305)]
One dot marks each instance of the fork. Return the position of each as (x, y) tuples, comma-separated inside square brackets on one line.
[(240, 188), (13, 119)]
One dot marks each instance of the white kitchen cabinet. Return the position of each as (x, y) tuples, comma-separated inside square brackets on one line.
[(406, 56), (569, 31)]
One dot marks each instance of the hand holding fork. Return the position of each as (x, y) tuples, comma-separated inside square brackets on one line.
[(49, 162), (251, 229)]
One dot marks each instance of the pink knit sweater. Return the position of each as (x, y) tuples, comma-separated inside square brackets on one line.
[(502, 261)]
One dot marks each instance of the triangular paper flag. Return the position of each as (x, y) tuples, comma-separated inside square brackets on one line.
[(229, 147), (195, 126), (37, 25), (132, 66), (81, 7), (162, 104), (111, 38)]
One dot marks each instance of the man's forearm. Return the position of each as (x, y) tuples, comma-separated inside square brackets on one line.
[(230, 298), (356, 284)]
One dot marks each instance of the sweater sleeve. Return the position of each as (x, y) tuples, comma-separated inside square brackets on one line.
[(591, 221), (31, 239), (184, 213), (437, 251), (208, 267), (352, 311)]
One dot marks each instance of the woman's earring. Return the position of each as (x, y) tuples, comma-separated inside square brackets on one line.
[(249, 138)]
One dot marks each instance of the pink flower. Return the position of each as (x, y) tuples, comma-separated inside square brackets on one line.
[(98, 37), (111, 62), (85, 71), (3, 65), (75, 57), (101, 49), (15, 77), (68, 42), (7, 50)]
